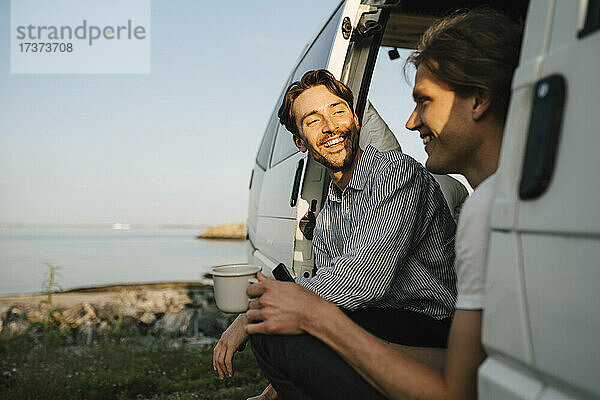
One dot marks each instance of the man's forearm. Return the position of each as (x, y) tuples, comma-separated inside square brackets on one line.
[(287, 308), (393, 373)]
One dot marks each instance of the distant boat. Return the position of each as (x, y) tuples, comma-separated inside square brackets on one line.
[(117, 226)]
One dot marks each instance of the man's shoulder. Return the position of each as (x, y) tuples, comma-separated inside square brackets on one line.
[(392, 160), (475, 213), (480, 201)]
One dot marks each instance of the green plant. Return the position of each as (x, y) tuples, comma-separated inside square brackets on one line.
[(49, 285), (117, 322)]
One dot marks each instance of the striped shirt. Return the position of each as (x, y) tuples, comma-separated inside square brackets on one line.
[(387, 240)]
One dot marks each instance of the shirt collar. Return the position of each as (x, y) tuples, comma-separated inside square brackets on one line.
[(359, 176)]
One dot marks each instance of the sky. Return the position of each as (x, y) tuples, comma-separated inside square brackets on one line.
[(175, 146)]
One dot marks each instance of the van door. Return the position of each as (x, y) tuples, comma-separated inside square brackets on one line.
[(293, 180), (542, 320), (257, 175), (352, 61)]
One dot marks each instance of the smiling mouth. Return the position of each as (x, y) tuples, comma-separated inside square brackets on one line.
[(334, 141)]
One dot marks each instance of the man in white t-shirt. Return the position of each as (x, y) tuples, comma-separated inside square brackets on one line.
[(464, 66)]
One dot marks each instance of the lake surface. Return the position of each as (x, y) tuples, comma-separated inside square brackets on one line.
[(90, 257)]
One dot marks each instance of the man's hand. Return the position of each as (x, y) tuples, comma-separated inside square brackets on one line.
[(281, 307), (233, 339)]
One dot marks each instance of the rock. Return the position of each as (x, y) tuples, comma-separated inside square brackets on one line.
[(17, 327), (57, 316), (87, 332), (179, 311), (15, 313), (177, 300), (178, 324), (164, 301), (201, 296), (103, 327), (129, 297), (235, 231), (148, 318), (129, 323), (15, 322), (77, 315), (130, 311), (34, 316), (213, 322), (108, 311)]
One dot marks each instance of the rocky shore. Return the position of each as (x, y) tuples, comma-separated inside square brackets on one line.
[(231, 231), (183, 310)]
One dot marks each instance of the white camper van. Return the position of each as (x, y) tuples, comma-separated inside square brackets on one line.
[(542, 315)]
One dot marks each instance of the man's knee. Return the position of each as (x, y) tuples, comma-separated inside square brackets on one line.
[(269, 350), (275, 345)]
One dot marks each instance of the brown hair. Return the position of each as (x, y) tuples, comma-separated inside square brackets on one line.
[(473, 50), (310, 79)]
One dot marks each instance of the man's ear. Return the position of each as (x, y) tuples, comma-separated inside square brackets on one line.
[(356, 121), (299, 142), (481, 104)]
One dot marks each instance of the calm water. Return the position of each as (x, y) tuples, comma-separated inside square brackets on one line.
[(89, 257)]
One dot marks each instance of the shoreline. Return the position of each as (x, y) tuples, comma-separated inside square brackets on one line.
[(172, 310), (115, 288), (180, 307)]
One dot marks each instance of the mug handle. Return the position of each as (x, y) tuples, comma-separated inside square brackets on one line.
[(253, 280)]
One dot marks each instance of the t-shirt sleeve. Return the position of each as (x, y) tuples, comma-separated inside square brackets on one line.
[(472, 235)]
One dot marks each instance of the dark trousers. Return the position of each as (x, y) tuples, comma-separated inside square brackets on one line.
[(403, 326), (302, 367)]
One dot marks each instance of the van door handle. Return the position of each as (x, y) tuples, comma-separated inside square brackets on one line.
[(297, 179), (543, 136)]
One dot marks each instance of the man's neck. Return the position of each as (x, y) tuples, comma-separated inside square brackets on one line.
[(485, 161), (342, 178)]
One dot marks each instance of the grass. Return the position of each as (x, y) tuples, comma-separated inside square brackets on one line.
[(41, 366)]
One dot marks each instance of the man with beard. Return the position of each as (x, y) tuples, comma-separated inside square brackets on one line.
[(384, 240), (385, 234)]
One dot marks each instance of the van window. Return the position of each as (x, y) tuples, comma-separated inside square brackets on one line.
[(318, 54), (316, 57), (284, 146), (264, 151)]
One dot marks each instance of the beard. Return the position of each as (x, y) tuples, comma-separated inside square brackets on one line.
[(342, 159)]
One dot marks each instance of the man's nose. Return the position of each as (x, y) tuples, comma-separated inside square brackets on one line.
[(329, 125), (414, 121)]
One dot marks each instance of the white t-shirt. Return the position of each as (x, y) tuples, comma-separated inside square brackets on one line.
[(472, 235)]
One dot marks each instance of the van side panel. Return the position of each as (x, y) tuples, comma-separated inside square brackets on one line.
[(550, 263), (276, 223), (562, 276), (535, 44), (253, 201), (501, 379), (506, 329), (570, 205), (560, 230)]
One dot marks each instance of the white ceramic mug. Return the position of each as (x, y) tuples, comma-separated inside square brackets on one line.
[(230, 284)]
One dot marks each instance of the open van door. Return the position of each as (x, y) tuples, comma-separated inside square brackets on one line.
[(285, 187)]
